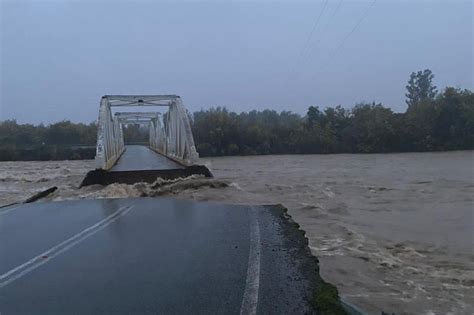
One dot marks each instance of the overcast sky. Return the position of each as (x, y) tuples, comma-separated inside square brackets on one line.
[(59, 57)]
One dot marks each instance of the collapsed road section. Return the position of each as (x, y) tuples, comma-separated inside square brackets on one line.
[(157, 255)]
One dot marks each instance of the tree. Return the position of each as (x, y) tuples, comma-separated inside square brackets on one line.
[(314, 116), (453, 126), (373, 129), (420, 87)]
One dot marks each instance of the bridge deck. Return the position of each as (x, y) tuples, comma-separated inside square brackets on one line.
[(146, 255), (140, 158)]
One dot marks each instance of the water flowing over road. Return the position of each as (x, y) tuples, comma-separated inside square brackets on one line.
[(393, 232)]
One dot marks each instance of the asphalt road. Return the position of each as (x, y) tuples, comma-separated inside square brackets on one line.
[(139, 157), (152, 255)]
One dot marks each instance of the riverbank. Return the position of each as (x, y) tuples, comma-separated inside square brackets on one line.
[(47, 153)]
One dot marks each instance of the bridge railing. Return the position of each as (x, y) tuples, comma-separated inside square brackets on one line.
[(110, 144), (157, 138), (179, 141)]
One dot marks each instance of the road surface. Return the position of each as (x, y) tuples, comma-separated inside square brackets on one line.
[(152, 255), (139, 158)]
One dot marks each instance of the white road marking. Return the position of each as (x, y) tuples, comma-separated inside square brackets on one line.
[(36, 262), (13, 207), (250, 298)]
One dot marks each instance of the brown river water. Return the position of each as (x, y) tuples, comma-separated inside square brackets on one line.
[(394, 232)]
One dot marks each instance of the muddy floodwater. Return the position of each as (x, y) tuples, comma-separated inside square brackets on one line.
[(394, 232)]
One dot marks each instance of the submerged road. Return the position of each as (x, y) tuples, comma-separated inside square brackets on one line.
[(152, 255), (139, 157)]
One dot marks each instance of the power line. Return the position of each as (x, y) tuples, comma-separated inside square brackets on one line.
[(359, 22), (326, 26), (310, 35)]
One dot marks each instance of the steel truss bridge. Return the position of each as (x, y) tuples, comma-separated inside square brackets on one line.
[(170, 132)]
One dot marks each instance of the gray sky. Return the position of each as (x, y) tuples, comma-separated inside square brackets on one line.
[(59, 57)]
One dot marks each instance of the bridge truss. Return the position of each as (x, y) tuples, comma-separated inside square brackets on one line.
[(170, 133)]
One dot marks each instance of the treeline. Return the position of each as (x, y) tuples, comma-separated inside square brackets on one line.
[(432, 122), (59, 141), (445, 122)]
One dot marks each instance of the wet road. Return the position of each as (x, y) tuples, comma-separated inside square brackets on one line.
[(150, 255), (138, 157)]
